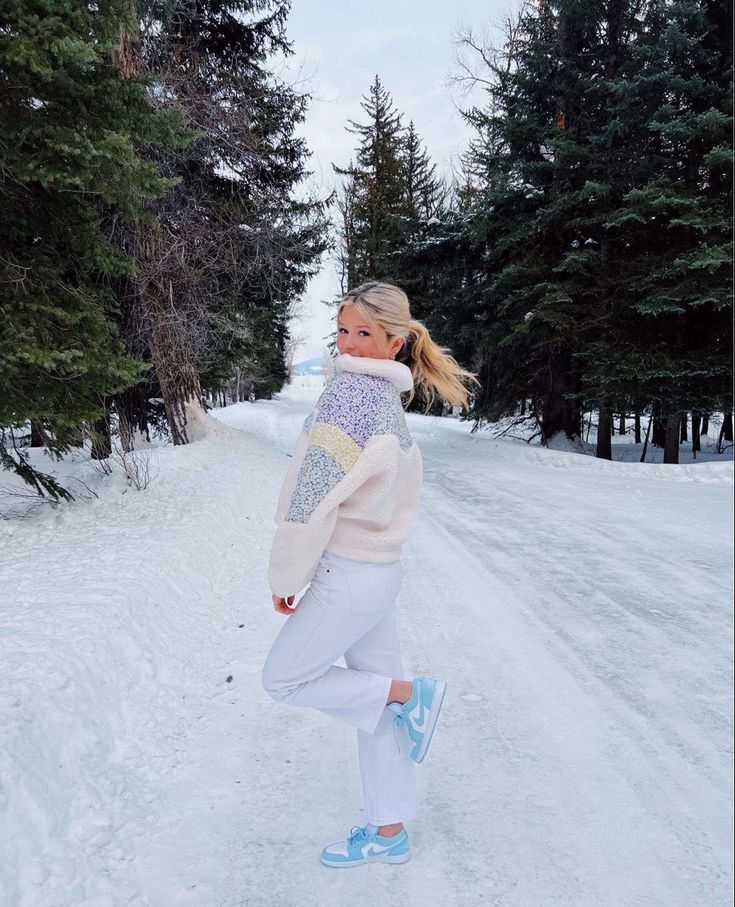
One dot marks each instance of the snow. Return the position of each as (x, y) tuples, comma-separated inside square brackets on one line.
[(625, 450), (579, 609)]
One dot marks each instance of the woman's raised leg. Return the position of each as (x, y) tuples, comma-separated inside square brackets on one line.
[(300, 668)]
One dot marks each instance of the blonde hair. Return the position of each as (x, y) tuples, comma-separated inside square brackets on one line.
[(434, 370)]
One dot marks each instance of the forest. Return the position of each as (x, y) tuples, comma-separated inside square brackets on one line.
[(155, 235)]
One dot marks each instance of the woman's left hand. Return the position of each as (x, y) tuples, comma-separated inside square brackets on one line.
[(282, 604)]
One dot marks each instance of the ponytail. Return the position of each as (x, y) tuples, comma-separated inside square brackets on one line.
[(434, 370)]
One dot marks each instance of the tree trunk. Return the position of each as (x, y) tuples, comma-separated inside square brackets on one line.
[(696, 444), (147, 314), (684, 426), (705, 424), (559, 412), (727, 427), (658, 435), (125, 432), (38, 435), (131, 404), (132, 414), (604, 438), (637, 423), (177, 375), (100, 434), (671, 442), (173, 360), (621, 425)]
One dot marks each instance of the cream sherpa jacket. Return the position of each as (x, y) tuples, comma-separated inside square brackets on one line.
[(355, 476)]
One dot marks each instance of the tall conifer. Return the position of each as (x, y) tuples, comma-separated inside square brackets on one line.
[(376, 189), (70, 126)]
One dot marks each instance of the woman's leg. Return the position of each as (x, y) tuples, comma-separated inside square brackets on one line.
[(300, 668), (388, 775)]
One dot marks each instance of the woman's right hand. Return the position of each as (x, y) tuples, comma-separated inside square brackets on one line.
[(282, 604)]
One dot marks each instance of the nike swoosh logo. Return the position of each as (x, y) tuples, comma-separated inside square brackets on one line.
[(421, 723), (373, 851)]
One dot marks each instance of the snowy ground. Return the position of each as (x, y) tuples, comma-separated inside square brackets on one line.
[(624, 448), (580, 611)]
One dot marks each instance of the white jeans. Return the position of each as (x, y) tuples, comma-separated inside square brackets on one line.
[(349, 609)]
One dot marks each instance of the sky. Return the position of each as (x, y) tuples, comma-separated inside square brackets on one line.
[(338, 50)]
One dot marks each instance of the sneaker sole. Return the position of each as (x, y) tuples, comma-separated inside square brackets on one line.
[(440, 690), (398, 858)]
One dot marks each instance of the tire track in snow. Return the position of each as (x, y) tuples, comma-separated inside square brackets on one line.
[(667, 798)]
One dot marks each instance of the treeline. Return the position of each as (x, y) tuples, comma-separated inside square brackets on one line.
[(582, 258), (151, 239)]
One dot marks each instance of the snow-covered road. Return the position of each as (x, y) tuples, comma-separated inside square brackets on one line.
[(587, 636), (580, 612)]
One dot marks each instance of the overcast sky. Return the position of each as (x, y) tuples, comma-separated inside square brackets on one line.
[(339, 49)]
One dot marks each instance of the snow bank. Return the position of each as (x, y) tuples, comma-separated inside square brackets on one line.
[(116, 610), (705, 472)]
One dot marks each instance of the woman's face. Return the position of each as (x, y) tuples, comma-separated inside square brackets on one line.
[(357, 338)]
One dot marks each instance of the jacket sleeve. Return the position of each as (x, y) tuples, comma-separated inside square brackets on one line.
[(329, 463)]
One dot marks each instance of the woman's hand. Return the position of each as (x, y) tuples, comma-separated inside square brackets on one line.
[(282, 604)]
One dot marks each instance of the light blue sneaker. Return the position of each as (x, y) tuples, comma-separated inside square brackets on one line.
[(419, 715), (362, 847)]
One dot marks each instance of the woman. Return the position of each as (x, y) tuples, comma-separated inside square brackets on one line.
[(345, 509)]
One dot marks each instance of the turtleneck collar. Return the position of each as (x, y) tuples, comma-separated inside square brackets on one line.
[(396, 372)]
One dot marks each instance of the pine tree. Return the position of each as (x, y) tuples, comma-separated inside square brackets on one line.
[(69, 126), (375, 191), (424, 205), (424, 193)]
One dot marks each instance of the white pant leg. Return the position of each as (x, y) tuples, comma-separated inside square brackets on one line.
[(345, 600), (388, 775)]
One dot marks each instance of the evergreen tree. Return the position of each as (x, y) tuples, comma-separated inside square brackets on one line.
[(346, 201), (424, 205), (374, 202), (424, 193), (69, 126)]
